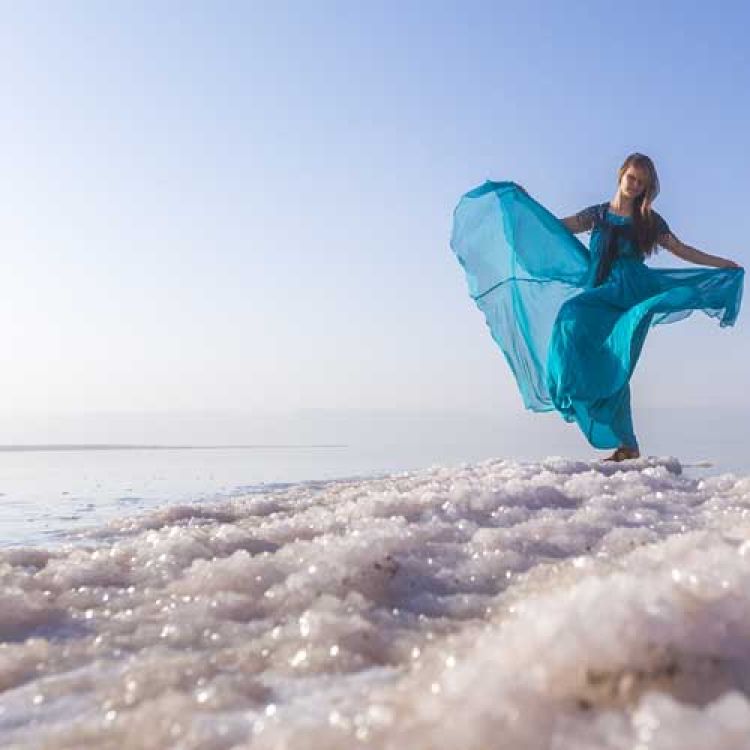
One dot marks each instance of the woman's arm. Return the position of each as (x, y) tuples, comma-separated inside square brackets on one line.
[(574, 224), (583, 221), (692, 254)]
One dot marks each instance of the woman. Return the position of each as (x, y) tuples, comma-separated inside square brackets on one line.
[(572, 320)]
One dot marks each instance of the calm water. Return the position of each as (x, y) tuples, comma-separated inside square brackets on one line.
[(45, 495)]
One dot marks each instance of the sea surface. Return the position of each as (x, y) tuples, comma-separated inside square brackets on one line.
[(50, 491)]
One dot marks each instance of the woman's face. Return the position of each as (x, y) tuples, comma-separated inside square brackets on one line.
[(634, 181)]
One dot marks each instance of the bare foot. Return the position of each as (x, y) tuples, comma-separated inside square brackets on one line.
[(623, 454)]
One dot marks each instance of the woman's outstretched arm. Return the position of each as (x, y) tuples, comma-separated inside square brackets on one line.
[(692, 254), (583, 221), (574, 224)]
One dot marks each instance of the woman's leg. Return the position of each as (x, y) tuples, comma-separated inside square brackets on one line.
[(622, 425)]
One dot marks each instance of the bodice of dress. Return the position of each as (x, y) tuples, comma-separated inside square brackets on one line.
[(626, 246), (613, 243)]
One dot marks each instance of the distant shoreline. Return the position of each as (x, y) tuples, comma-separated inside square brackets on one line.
[(131, 447)]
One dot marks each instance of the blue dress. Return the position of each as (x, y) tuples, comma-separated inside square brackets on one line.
[(572, 338)]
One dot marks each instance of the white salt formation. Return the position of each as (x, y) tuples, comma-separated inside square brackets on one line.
[(561, 604)]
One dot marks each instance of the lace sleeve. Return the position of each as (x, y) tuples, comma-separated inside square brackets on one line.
[(583, 221), (662, 228)]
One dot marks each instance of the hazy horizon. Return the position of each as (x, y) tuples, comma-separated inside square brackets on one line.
[(419, 437)]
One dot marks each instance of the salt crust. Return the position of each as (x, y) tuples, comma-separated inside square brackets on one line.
[(561, 604)]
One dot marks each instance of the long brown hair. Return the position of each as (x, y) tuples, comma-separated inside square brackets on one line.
[(645, 224)]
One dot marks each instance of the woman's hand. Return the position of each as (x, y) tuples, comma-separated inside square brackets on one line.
[(729, 264)]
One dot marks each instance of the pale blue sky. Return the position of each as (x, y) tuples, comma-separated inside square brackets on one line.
[(243, 206)]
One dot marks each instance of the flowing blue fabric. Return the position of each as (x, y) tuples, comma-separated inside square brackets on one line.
[(573, 346)]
